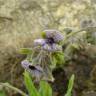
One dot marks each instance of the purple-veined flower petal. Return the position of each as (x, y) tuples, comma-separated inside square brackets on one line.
[(34, 70), (56, 35)]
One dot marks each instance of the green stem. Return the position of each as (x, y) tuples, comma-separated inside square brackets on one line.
[(13, 88), (74, 33)]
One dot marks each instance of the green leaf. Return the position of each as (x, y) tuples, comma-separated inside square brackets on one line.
[(26, 51), (59, 56), (2, 93), (53, 62), (45, 89), (75, 46), (68, 30), (70, 86), (29, 85)]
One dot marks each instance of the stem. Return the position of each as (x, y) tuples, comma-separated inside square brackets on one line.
[(74, 33), (13, 88)]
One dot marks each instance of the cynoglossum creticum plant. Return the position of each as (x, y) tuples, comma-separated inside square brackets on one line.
[(44, 56), (47, 52)]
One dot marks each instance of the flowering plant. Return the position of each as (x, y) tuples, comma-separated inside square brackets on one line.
[(45, 55)]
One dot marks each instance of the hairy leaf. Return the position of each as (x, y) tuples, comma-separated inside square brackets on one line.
[(2, 93), (45, 89), (26, 51), (29, 85), (70, 86)]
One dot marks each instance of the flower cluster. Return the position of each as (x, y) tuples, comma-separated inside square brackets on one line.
[(50, 41)]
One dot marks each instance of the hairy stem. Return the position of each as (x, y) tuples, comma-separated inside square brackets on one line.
[(74, 33)]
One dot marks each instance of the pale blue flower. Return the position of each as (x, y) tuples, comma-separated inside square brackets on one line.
[(34, 70), (55, 35), (39, 42)]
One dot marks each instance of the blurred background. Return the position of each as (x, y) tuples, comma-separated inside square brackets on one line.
[(21, 21)]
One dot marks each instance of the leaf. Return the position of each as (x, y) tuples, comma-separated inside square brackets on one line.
[(59, 56), (70, 86), (45, 89), (75, 46), (2, 93), (30, 86), (26, 51), (53, 62), (68, 30)]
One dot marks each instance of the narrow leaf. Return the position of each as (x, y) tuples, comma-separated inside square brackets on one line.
[(53, 62), (70, 86), (45, 89), (2, 93), (59, 57), (29, 85), (26, 51)]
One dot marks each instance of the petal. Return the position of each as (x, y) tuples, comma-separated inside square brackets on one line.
[(56, 47), (52, 47), (36, 71), (25, 64), (38, 68), (39, 42), (49, 33), (47, 47), (56, 35)]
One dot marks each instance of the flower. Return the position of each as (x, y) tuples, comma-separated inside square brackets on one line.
[(35, 70), (51, 40), (54, 35), (39, 42), (49, 43)]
